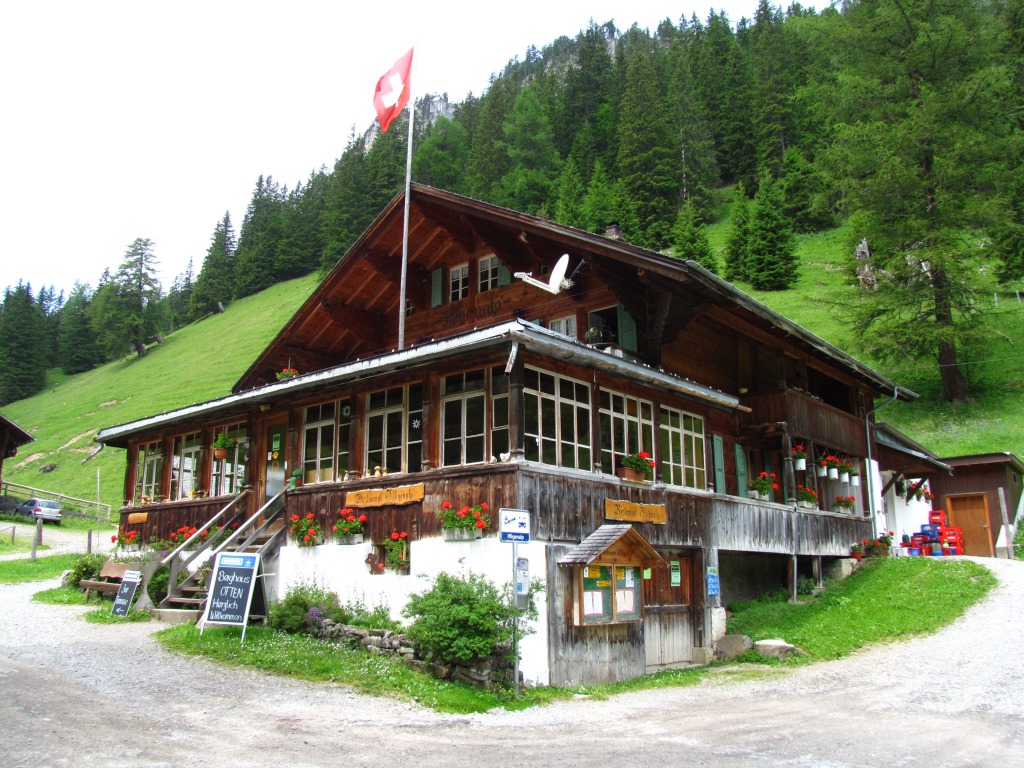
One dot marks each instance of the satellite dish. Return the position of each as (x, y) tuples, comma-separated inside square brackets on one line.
[(556, 282)]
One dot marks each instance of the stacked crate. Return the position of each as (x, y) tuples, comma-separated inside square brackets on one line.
[(951, 538)]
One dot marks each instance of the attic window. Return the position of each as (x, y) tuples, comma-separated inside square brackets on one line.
[(489, 267), (458, 282)]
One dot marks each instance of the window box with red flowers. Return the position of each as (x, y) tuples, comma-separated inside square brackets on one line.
[(763, 486), (807, 498), (396, 552), (465, 523), (305, 531), (349, 528), (636, 467)]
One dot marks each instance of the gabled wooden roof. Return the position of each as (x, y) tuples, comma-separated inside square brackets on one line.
[(12, 437), (623, 543), (354, 312)]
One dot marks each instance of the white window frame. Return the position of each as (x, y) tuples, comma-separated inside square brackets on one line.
[(458, 282), (561, 429), (186, 464), (227, 476), (489, 269), (459, 405), (319, 468), (629, 423), (682, 458), (409, 446), (564, 325), (149, 470)]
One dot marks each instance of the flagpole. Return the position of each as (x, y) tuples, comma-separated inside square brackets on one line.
[(405, 222)]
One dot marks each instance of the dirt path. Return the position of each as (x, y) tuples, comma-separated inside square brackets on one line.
[(76, 694)]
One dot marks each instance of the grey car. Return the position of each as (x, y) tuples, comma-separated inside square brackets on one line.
[(41, 509)]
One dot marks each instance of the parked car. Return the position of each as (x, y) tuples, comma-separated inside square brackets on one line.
[(42, 509)]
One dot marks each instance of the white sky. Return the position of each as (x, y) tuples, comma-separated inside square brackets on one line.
[(121, 120)]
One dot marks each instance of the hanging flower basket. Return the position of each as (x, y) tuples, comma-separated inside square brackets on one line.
[(844, 477), (854, 479), (833, 473), (820, 471), (800, 464)]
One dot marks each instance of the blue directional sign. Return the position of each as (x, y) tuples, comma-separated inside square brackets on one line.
[(514, 525)]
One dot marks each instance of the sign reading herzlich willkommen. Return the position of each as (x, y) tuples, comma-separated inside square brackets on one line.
[(380, 497), (631, 512)]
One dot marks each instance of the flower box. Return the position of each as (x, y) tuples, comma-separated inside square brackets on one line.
[(352, 538), (461, 534), (633, 475)]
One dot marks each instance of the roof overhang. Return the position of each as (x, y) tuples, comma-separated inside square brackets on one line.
[(899, 453), (526, 334), (16, 436), (614, 543)]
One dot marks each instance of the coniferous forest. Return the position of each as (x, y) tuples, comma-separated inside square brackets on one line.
[(901, 117)]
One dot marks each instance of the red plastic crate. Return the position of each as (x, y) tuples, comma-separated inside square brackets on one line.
[(937, 517)]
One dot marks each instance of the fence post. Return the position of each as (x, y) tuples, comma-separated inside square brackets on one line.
[(88, 543)]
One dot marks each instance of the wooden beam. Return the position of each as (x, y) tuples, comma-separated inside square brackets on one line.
[(367, 325)]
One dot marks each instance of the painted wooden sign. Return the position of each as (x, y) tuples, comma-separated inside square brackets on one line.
[(630, 511), (381, 497)]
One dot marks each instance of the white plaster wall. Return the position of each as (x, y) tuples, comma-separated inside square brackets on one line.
[(342, 570)]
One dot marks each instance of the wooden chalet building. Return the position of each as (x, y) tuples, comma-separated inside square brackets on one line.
[(524, 398)]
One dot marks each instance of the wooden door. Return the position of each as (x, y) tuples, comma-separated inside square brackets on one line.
[(668, 611), (970, 513)]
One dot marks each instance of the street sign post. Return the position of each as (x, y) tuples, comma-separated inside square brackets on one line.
[(514, 528)]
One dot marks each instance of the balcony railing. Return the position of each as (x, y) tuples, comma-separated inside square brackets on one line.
[(808, 419)]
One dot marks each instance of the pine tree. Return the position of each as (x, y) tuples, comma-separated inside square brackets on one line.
[(569, 196), (347, 210), (22, 345), (690, 242), (737, 247), (134, 313), (259, 239), (440, 160), (215, 284), (771, 259), (532, 160), (647, 172), (600, 203), (78, 349)]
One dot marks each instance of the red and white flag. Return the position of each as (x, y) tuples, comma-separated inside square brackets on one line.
[(393, 90)]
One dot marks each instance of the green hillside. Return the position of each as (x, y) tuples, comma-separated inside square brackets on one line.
[(197, 363), (202, 361)]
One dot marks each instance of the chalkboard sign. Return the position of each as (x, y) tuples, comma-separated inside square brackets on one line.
[(233, 583), (126, 593)]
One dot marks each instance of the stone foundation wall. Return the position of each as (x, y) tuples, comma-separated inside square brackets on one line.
[(495, 671)]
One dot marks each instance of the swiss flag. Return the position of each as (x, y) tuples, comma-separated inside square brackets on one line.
[(392, 92)]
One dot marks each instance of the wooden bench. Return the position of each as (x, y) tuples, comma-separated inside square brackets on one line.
[(108, 581)]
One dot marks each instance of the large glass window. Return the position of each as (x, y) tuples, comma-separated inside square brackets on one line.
[(681, 459), (564, 325), (148, 469), (627, 426), (463, 408), (318, 443), (228, 475), (458, 282), (394, 429), (185, 465), (557, 411)]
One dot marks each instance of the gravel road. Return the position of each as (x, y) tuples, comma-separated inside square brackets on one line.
[(77, 694)]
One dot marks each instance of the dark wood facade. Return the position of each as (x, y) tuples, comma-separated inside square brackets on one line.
[(640, 353)]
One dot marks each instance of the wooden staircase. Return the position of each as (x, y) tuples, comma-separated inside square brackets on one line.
[(263, 534)]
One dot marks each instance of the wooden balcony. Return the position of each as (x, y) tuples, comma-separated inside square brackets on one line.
[(808, 419)]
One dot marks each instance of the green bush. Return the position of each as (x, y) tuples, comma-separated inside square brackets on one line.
[(86, 567), (303, 608), (377, 618), (460, 618)]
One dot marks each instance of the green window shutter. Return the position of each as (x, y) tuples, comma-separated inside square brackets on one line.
[(741, 470), (437, 288), (718, 448), (504, 276), (627, 329)]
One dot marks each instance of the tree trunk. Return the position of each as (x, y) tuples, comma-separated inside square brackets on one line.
[(954, 385), (139, 346)]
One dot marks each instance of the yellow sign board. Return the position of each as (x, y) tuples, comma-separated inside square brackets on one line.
[(381, 497), (635, 513)]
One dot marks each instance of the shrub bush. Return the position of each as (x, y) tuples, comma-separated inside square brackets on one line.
[(86, 567), (460, 618), (292, 613)]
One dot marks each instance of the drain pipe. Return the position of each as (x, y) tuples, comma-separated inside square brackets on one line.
[(870, 468)]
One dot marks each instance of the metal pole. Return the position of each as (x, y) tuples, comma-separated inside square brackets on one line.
[(515, 622), (405, 223)]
